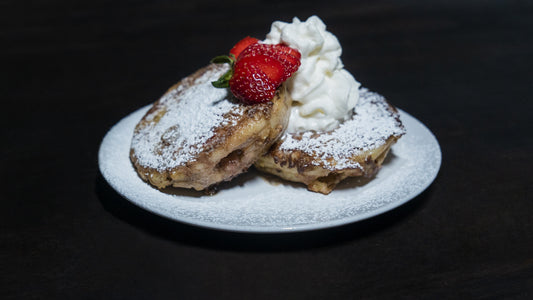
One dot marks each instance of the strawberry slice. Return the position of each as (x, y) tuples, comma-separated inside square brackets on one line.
[(242, 44)]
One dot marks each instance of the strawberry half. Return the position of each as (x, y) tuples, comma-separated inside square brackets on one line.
[(256, 78), (256, 69), (289, 57), (241, 45)]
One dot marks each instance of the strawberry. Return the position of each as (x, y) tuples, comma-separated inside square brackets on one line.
[(242, 44), (256, 69), (256, 78), (289, 57)]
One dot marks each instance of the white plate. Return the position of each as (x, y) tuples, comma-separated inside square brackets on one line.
[(256, 203)]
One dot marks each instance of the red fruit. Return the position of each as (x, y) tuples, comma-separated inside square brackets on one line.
[(290, 57), (242, 44), (257, 70), (287, 56), (256, 78), (288, 50)]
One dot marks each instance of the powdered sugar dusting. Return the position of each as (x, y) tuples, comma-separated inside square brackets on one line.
[(191, 113), (250, 203), (370, 126)]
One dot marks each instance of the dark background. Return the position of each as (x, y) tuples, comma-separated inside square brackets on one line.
[(72, 69)]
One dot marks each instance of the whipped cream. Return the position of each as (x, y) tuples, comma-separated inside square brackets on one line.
[(323, 92)]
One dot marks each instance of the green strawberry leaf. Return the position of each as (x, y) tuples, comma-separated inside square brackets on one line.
[(223, 81), (222, 59)]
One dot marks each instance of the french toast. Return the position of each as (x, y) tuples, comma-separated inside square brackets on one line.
[(357, 147), (196, 135)]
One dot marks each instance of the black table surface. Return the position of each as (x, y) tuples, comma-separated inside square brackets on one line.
[(72, 69)]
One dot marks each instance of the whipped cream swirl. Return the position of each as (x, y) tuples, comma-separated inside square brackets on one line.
[(323, 92)]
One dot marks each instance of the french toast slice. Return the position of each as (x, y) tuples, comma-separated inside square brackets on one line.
[(357, 147), (196, 135)]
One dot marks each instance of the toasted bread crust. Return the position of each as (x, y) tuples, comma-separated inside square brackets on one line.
[(321, 170), (244, 133)]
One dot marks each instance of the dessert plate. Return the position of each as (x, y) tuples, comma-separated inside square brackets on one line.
[(254, 202)]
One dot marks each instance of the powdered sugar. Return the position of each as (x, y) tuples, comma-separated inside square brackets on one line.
[(370, 126), (250, 203), (192, 112)]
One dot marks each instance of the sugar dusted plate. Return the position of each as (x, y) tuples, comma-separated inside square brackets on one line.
[(257, 203)]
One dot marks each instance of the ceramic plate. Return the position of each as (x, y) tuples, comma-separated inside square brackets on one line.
[(254, 202)]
